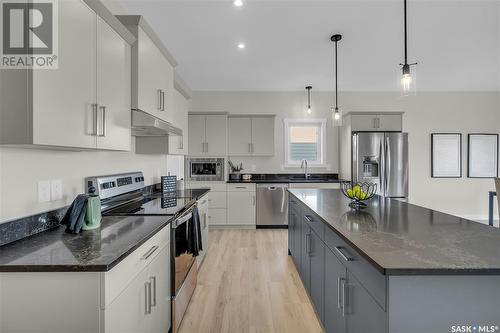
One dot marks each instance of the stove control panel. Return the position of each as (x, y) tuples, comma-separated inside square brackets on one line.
[(112, 185)]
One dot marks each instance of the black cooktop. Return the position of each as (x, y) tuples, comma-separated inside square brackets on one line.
[(153, 205)]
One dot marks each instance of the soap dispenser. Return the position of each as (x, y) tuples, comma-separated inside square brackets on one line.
[(93, 216)]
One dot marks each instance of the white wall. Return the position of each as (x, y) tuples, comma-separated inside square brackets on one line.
[(21, 169), (428, 112)]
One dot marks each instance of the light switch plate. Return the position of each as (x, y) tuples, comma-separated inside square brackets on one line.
[(44, 191), (56, 189)]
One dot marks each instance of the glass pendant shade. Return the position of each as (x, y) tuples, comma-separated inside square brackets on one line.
[(337, 116), (408, 80)]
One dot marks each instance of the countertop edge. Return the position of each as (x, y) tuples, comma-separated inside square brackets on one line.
[(388, 271)]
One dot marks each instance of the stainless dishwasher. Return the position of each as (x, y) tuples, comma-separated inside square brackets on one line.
[(272, 205)]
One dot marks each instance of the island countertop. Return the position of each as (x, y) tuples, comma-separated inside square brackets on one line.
[(404, 239)]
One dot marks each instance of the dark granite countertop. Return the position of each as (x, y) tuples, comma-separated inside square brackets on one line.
[(290, 178), (404, 239), (96, 250)]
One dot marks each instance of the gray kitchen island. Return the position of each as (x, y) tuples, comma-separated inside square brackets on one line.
[(394, 267)]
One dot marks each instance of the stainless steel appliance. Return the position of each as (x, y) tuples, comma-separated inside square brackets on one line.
[(272, 205), (381, 158), (205, 169), (124, 195)]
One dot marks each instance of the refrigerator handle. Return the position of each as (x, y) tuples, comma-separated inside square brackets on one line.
[(387, 163), (381, 168)]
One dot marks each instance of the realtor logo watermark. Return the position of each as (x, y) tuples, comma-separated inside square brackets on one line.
[(29, 34)]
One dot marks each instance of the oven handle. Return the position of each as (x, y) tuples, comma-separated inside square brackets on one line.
[(182, 220)]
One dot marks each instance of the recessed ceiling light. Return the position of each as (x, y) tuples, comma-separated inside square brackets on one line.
[(238, 3), (241, 46)]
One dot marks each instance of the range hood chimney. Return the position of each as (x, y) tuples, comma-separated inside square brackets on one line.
[(145, 124)]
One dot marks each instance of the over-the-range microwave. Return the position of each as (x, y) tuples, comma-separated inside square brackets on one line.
[(204, 169)]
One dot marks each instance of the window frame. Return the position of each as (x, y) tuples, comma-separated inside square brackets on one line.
[(321, 124)]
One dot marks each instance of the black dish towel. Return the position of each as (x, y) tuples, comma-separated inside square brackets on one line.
[(194, 233), (75, 215)]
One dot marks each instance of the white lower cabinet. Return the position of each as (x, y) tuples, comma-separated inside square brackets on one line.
[(144, 306), (241, 204), (132, 297), (217, 202)]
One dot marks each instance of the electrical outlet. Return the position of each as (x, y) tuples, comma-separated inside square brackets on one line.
[(44, 191), (56, 189)]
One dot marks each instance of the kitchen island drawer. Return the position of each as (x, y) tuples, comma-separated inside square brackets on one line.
[(314, 222), (371, 279)]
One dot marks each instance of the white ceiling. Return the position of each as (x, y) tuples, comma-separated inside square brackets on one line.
[(456, 43)]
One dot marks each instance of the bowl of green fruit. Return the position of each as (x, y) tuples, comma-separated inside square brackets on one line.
[(358, 192)]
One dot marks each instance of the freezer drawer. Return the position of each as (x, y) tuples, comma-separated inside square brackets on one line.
[(272, 205)]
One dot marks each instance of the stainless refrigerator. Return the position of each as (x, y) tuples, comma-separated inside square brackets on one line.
[(381, 158)]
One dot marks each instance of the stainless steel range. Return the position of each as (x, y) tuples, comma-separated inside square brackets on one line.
[(123, 194)]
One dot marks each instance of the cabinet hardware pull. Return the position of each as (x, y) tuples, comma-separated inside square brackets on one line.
[(345, 299), (249, 147), (253, 200), (104, 121), (181, 142), (309, 218), (150, 252), (158, 101), (204, 202), (206, 147), (94, 120), (340, 285), (162, 100), (308, 244), (242, 187), (339, 251), (153, 281), (147, 293)]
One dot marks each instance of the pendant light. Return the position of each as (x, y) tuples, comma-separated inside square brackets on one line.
[(337, 114), (408, 82), (308, 88)]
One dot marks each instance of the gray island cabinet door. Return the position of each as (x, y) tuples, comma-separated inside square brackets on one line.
[(363, 314), (317, 288), (335, 277), (297, 234), (291, 230)]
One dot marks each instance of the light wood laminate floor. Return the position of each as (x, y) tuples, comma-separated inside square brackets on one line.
[(248, 283)]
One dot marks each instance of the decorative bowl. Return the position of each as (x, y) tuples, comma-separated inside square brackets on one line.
[(358, 192)]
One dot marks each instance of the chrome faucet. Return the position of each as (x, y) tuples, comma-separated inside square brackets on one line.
[(304, 166)]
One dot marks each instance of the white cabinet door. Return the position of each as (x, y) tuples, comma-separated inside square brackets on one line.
[(196, 132), (166, 73), (203, 211), (217, 216), (159, 277), (263, 136), (241, 208), (178, 144), (63, 99), (113, 89), (216, 135), (390, 122), (364, 122), (128, 312), (149, 81), (240, 136)]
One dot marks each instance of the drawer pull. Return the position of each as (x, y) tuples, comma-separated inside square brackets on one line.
[(345, 257), (309, 218), (204, 202), (241, 187), (345, 299), (150, 252)]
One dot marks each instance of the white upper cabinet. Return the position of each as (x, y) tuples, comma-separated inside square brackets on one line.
[(375, 122), (251, 135), (178, 145), (113, 89), (208, 134), (152, 70), (240, 136), (73, 107)]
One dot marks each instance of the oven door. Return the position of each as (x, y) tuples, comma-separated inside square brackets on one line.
[(184, 271)]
